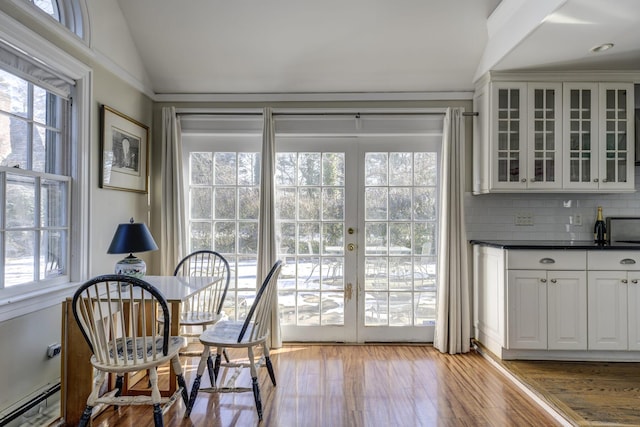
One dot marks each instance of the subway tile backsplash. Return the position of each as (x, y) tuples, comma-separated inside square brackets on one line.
[(554, 215)]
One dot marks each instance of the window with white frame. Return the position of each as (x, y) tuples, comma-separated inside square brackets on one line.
[(70, 14), (34, 181)]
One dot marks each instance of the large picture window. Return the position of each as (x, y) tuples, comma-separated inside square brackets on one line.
[(34, 182)]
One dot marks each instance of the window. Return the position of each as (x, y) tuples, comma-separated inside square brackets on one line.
[(34, 182), (70, 14)]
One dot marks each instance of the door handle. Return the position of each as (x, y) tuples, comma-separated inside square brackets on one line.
[(348, 292)]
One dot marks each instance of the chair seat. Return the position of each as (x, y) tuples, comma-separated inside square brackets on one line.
[(175, 344), (226, 333), (192, 318)]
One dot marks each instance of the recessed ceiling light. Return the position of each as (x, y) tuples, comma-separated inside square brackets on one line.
[(602, 47)]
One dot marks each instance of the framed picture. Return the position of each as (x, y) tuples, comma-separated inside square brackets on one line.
[(124, 151)]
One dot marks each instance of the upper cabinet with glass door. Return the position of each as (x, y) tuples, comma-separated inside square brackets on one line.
[(553, 135), (599, 136)]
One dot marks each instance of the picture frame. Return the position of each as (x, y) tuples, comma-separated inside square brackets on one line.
[(124, 152)]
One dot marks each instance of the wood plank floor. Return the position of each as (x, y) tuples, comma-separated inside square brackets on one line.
[(368, 386), (588, 393)]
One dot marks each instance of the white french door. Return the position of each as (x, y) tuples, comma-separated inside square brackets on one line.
[(357, 220)]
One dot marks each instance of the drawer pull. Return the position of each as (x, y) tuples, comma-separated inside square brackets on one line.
[(548, 261), (543, 280), (624, 281), (628, 261), (554, 281), (634, 281)]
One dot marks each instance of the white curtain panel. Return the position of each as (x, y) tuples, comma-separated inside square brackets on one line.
[(267, 254), (172, 234), (453, 311)]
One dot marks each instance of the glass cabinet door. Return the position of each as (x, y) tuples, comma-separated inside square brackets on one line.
[(545, 135), (509, 136), (580, 135), (616, 150)]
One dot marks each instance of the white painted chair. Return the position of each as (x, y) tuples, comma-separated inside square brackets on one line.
[(204, 308), (248, 334), (117, 316)]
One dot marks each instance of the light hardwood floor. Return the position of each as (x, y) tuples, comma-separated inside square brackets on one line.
[(368, 386)]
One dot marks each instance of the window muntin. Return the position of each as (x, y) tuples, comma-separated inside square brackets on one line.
[(34, 183), (68, 14)]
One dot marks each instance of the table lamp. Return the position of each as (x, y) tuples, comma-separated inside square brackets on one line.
[(130, 238)]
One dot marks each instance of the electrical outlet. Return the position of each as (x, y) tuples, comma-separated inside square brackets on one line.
[(577, 219), (524, 218), (53, 350)]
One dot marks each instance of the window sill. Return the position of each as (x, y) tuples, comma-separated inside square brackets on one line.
[(30, 301)]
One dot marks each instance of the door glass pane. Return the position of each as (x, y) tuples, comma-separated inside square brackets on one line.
[(310, 212), (400, 249)]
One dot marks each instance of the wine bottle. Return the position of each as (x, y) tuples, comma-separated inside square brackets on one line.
[(600, 229)]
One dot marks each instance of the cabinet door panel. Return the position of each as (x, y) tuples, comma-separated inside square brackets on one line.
[(607, 307), (580, 108), (544, 135), (633, 299), (567, 310), (527, 309), (508, 136), (616, 136)]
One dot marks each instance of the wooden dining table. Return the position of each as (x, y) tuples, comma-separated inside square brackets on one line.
[(76, 370)]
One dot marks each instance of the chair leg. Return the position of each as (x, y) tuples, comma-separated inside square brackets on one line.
[(212, 377), (86, 416), (216, 367), (157, 415), (226, 356), (254, 381), (177, 367), (196, 382), (267, 361), (119, 380)]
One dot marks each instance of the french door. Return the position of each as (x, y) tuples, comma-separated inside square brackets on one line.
[(357, 220)]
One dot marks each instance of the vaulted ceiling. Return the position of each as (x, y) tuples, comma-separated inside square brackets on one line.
[(300, 46)]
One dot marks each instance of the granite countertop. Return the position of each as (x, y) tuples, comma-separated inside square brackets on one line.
[(555, 244)]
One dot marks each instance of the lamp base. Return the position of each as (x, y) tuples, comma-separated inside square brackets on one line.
[(131, 266)]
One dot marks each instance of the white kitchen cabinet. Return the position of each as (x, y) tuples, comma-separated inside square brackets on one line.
[(525, 136), (614, 301), (553, 135), (546, 307), (598, 135)]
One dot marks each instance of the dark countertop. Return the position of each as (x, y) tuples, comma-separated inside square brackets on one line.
[(554, 244)]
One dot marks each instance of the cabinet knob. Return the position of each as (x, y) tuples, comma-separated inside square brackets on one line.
[(624, 281), (634, 281), (532, 180), (523, 180), (595, 179), (543, 280), (554, 281), (605, 180)]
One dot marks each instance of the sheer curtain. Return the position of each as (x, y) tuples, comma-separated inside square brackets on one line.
[(172, 234), (267, 253), (453, 317)]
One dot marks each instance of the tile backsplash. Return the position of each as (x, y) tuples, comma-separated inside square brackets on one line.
[(554, 216)]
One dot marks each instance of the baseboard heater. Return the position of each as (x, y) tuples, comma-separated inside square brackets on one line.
[(23, 408)]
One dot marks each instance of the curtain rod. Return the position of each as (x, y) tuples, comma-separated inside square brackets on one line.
[(339, 113)]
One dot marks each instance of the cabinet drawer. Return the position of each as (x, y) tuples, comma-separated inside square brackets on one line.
[(613, 260), (546, 260)]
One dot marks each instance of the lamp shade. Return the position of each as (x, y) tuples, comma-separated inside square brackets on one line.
[(132, 237)]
